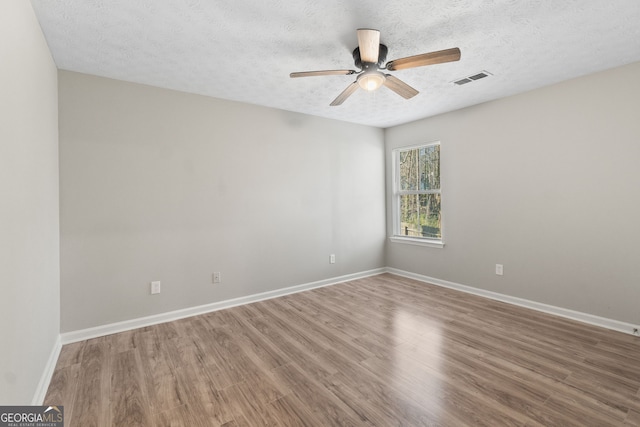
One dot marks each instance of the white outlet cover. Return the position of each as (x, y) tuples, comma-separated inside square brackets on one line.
[(155, 288)]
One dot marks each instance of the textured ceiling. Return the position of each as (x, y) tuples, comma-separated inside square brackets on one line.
[(244, 50)]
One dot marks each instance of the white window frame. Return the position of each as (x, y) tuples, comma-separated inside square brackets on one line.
[(397, 236)]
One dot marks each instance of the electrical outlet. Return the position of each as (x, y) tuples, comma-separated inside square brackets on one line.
[(216, 277), (155, 288), (499, 269), (332, 259)]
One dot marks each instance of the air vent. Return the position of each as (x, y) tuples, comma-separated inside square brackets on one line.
[(463, 81), (479, 76), (474, 77)]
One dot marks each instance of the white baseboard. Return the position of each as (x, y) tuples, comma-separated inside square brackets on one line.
[(47, 374), (590, 319), (112, 328)]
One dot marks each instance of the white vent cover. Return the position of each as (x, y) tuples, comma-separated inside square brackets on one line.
[(472, 78)]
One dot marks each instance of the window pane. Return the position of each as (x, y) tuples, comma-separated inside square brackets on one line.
[(420, 216), (430, 167), (409, 170)]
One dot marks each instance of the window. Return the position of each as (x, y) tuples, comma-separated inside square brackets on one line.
[(416, 195)]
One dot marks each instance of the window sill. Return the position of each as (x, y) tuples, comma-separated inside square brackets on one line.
[(417, 241)]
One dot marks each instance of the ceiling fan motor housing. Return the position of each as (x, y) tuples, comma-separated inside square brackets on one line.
[(382, 57)]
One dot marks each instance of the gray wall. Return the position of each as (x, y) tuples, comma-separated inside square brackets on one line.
[(29, 226), (546, 183), (169, 186)]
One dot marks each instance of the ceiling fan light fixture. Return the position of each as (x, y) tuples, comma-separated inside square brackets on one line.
[(371, 80)]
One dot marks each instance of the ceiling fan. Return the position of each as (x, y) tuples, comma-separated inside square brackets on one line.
[(369, 57)]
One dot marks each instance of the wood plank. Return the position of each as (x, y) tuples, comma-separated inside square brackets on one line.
[(160, 378), (246, 409), (62, 389), (130, 405), (323, 335), (92, 398), (372, 395), (613, 390), (455, 394), (198, 381), (253, 343), (296, 350), (71, 354), (585, 410), (633, 418), (291, 412), (324, 405), (180, 416)]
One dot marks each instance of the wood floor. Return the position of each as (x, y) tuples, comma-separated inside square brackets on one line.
[(382, 351)]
